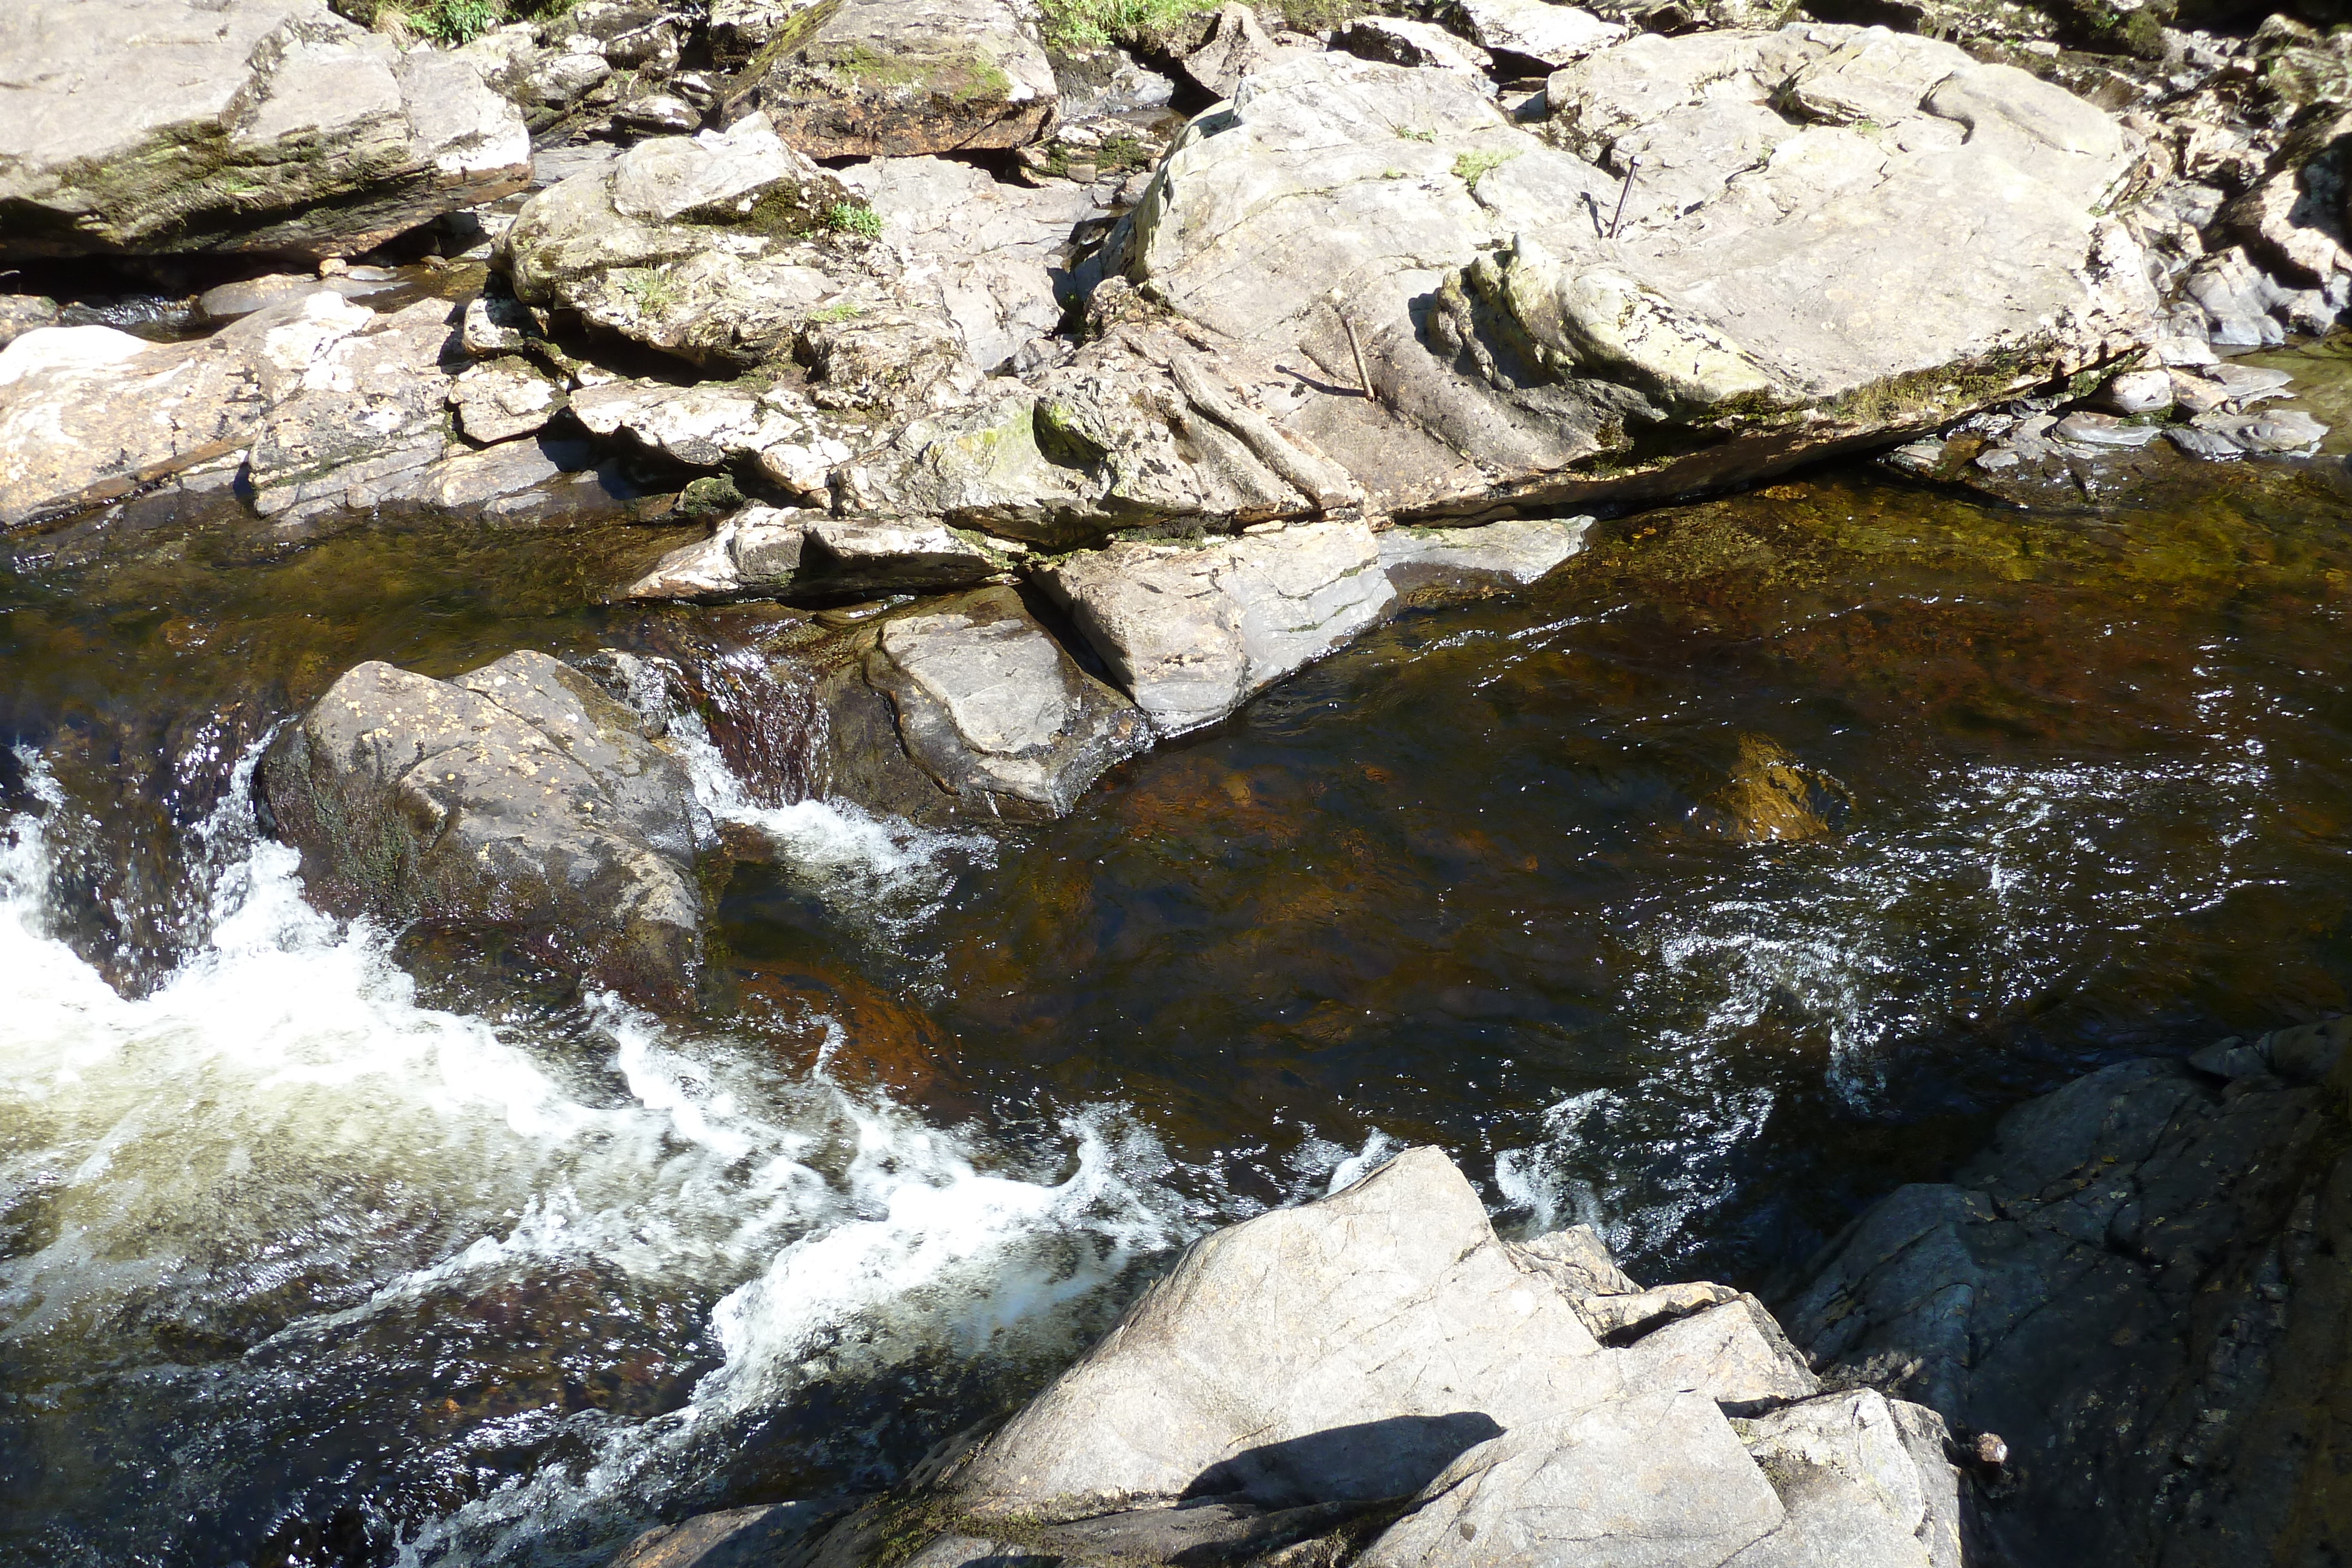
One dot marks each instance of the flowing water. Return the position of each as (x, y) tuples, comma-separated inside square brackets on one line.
[(322, 1245)]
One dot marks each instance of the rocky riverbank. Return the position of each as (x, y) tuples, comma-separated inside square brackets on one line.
[(1031, 398)]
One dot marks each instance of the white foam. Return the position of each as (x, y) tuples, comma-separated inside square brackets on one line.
[(281, 1129), (881, 874), (1959, 910)]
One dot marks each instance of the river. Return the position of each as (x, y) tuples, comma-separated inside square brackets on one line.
[(321, 1244)]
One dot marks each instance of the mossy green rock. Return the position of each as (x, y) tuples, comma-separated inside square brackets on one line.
[(270, 126)]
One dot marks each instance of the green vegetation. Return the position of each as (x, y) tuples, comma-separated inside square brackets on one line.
[(1475, 165), (1412, 133), (1093, 24), (651, 286), (713, 496), (839, 310), (452, 21), (854, 219)]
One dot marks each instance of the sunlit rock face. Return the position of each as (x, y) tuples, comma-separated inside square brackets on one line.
[(240, 125)]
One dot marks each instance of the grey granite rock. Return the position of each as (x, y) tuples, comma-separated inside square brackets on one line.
[(1374, 1378), (1437, 564), (995, 248), (1343, 222), (243, 125), (1347, 1349), (503, 399), (1548, 34), (1733, 1353), (2132, 1288), (993, 709), (1646, 1479), (327, 397), (517, 799)]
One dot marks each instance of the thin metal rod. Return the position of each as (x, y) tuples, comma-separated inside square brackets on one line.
[(1355, 345), (1363, 378), (1632, 165)]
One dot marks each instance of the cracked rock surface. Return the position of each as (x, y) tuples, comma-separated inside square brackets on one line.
[(1377, 1378), (2134, 1288)]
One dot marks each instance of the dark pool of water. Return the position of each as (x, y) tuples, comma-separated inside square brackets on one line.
[(1480, 880)]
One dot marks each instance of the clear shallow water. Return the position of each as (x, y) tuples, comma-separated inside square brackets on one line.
[(317, 1247)]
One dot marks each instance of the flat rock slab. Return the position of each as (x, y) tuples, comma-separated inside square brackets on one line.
[(516, 799), (993, 708), (243, 125), (1192, 632), (1350, 1349), (1538, 30), (892, 78), (1655, 1478), (1902, 236)]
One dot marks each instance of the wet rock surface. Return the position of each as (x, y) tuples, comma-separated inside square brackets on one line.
[(2131, 1288), (890, 77), (1190, 633), (517, 799), (994, 710)]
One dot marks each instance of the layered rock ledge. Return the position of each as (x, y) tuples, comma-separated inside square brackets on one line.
[(1376, 1378)]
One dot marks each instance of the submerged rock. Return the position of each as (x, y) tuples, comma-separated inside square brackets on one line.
[(242, 125), (518, 799), (1376, 1378), (2140, 1289), (1772, 796), (890, 78)]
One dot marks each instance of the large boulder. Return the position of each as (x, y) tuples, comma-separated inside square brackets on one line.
[(1834, 234), (891, 77), (242, 125), (2139, 1293), (517, 799), (1377, 1378)]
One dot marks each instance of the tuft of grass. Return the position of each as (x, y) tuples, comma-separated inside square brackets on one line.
[(1474, 166), (462, 21), (651, 286), (839, 310), (1414, 133), (854, 219), (1095, 24)]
